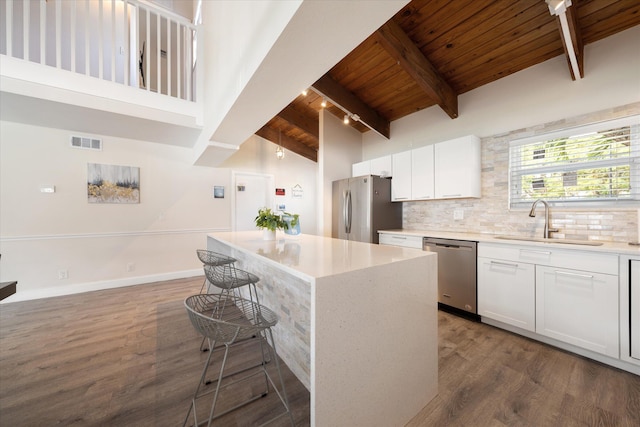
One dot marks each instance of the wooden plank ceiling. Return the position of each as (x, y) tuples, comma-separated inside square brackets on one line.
[(434, 50)]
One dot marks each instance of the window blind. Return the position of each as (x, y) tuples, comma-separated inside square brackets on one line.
[(593, 163)]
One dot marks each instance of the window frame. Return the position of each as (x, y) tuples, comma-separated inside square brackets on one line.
[(633, 160)]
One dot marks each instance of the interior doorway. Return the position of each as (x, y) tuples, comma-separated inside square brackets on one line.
[(251, 191)]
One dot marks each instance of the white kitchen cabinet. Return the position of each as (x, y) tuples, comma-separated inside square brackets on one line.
[(457, 168), (506, 292), (361, 168), (380, 166), (422, 173), (401, 182), (569, 295), (403, 240), (578, 307), (634, 306)]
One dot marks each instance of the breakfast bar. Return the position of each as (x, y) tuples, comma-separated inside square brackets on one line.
[(358, 322)]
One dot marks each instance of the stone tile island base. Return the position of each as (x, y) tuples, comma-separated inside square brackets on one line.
[(358, 322)]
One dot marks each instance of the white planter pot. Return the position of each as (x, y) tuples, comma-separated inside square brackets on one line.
[(268, 234)]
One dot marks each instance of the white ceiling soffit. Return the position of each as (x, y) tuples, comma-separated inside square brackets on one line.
[(318, 36), (58, 115)]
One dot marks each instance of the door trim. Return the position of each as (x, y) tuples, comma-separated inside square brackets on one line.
[(234, 177)]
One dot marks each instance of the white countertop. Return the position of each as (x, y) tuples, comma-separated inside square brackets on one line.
[(618, 248), (308, 256)]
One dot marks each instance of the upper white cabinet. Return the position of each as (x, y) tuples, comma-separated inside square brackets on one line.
[(422, 177), (446, 170), (361, 168), (402, 181), (380, 166), (457, 168)]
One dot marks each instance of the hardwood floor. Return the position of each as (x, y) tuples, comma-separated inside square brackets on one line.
[(490, 377), (119, 357), (129, 357)]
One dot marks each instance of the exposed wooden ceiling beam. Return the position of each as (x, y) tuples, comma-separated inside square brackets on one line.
[(576, 47), (345, 100), (398, 44), (310, 125), (290, 144)]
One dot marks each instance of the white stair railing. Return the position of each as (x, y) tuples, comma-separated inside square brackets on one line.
[(130, 42)]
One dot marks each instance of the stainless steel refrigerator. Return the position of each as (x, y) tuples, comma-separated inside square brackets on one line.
[(362, 206)]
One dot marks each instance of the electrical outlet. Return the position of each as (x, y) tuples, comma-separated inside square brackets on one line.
[(458, 214), (63, 274), (131, 267)]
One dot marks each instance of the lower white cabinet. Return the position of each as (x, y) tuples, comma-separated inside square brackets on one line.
[(578, 307), (403, 240), (506, 292), (571, 296)]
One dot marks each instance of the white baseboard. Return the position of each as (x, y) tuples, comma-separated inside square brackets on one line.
[(77, 288)]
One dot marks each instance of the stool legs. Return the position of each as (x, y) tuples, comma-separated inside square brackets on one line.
[(259, 369)]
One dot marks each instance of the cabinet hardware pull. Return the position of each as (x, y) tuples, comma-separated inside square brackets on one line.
[(508, 264), (400, 198), (399, 237), (452, 195), (567, 273), (536, 252)]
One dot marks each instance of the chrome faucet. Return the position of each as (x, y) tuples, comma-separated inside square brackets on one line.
[(532, 214)]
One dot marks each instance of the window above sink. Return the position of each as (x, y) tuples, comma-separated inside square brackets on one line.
[(597, 164)]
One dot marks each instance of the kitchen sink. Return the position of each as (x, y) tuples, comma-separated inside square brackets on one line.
[(543, 240)]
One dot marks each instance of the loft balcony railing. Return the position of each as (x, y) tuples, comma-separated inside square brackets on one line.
[(129, 42)]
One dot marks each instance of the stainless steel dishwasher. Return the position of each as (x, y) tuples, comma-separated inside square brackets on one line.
[(456, 274)]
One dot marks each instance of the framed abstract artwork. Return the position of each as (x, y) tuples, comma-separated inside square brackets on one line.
[(113, 184)]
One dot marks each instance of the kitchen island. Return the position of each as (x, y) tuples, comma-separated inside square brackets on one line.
[(358, 322)]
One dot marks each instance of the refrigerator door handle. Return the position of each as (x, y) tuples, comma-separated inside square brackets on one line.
[(347, 218)]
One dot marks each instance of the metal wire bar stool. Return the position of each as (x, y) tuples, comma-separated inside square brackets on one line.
[(212, 258), (220, 272), (231, 320)]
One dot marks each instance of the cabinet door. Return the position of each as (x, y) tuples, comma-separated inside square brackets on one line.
[(360, 169), (457, 168), (506, 292), (381, 166), (579, 308), (422, 174), (634, 296), (401, 182)]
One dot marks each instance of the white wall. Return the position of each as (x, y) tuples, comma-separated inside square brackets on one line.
[(540, 94), (42, 234), (258, 155), (340, 146)]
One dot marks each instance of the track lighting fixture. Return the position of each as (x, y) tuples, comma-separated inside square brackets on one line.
[(305, 92), (323, 104), (346, 119)]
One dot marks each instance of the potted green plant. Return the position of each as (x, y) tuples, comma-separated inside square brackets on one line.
[(270, 221)]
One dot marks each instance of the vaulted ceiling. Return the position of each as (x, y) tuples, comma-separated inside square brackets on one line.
[(432, 51)]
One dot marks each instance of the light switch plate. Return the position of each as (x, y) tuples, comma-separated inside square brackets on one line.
[(458, 214)]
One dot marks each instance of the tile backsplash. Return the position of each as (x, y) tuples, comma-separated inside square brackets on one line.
[(491, 214)]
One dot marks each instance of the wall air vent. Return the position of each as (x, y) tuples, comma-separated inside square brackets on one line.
[(86, 143)]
